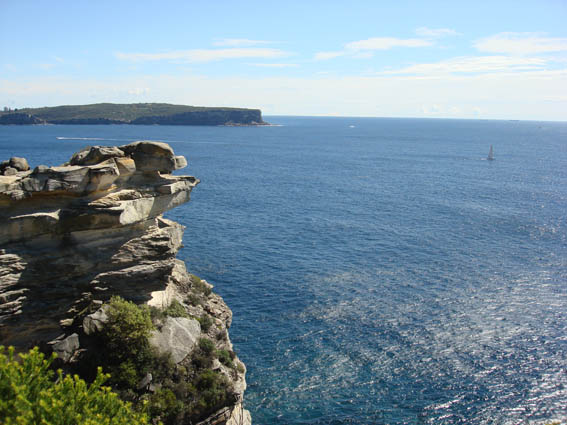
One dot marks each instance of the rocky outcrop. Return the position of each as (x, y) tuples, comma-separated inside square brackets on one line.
[(73, 236)]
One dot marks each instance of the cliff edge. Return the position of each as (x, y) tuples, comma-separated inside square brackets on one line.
[(83, 249)]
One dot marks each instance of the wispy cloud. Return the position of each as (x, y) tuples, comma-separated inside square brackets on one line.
[(520, 44), (435, 32), (239, 42), (203, 55), (386, 43), (363, 49), (479, 64)]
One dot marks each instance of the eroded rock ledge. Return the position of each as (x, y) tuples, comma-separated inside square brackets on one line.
[(73, 236)]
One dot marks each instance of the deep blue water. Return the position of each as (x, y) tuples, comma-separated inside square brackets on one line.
[(384, 273)]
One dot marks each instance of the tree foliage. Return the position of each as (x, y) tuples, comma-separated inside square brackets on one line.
[(30, 396)]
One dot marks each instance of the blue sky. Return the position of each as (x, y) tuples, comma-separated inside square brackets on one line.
[(445, 59)]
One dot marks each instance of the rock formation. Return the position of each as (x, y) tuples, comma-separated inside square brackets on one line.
[(74, 236)]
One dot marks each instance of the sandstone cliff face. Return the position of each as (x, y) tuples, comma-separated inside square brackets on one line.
[(73, 236)]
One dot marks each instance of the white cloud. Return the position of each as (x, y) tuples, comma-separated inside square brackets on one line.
[(520, 44), (328, 55), (239, 42), (386, 43), (203, 55), (435, 32), (362, 49), (478, 64)]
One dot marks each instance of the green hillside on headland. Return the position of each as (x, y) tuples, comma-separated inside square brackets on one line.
[(134, 113)]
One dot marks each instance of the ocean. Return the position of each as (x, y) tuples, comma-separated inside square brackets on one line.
[(380, 271)]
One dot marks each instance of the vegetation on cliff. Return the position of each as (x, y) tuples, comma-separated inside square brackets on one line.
[(30, 395), (135, 113), (176, 393)]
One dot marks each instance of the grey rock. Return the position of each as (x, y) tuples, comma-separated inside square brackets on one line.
[(20, 164), (65, 348), (93, 155), (180, 162), (145, 382), (177, 337), (40, 169), (95, 322), (10, 171), (151, 156)]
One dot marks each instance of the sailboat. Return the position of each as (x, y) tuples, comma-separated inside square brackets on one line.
[(490, 154)]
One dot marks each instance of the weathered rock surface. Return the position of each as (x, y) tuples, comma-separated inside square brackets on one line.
[(177, 337), (73, 236)]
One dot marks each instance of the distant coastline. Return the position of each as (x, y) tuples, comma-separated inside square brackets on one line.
[(133, 114)]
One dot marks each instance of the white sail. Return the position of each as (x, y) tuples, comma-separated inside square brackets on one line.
[(490, 154)]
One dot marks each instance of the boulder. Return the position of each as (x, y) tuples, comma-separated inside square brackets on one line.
[(153, 156), (19, 164), (177, 337), (10, 171), (95, 322), (92, 155), (65, 348)]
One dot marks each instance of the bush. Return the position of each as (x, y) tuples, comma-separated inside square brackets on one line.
[(127, 324), (207, 346), (126, 335), (225, 358), (200, 286), (29, 396), (194, 300), (206, 322), (164, 404), (175, 309), (214, 391)]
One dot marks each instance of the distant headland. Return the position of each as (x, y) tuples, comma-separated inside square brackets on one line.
[(133, 113)]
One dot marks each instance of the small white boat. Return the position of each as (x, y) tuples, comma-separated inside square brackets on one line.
[(490, 156)]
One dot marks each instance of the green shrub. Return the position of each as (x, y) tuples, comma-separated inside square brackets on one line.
[(200, 286), (194, 300), (214, 390), (207, 346), (164, 404), (129, 355), (127, 324), (29, 396), (225, 358), (175, 309), (206, 322), (201, 361)]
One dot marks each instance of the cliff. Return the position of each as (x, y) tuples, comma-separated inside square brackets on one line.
[(137, 113), (78, 240)]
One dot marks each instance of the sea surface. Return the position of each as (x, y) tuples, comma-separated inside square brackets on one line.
[(380, 271)]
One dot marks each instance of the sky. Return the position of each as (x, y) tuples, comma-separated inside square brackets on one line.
[(439, 59)]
